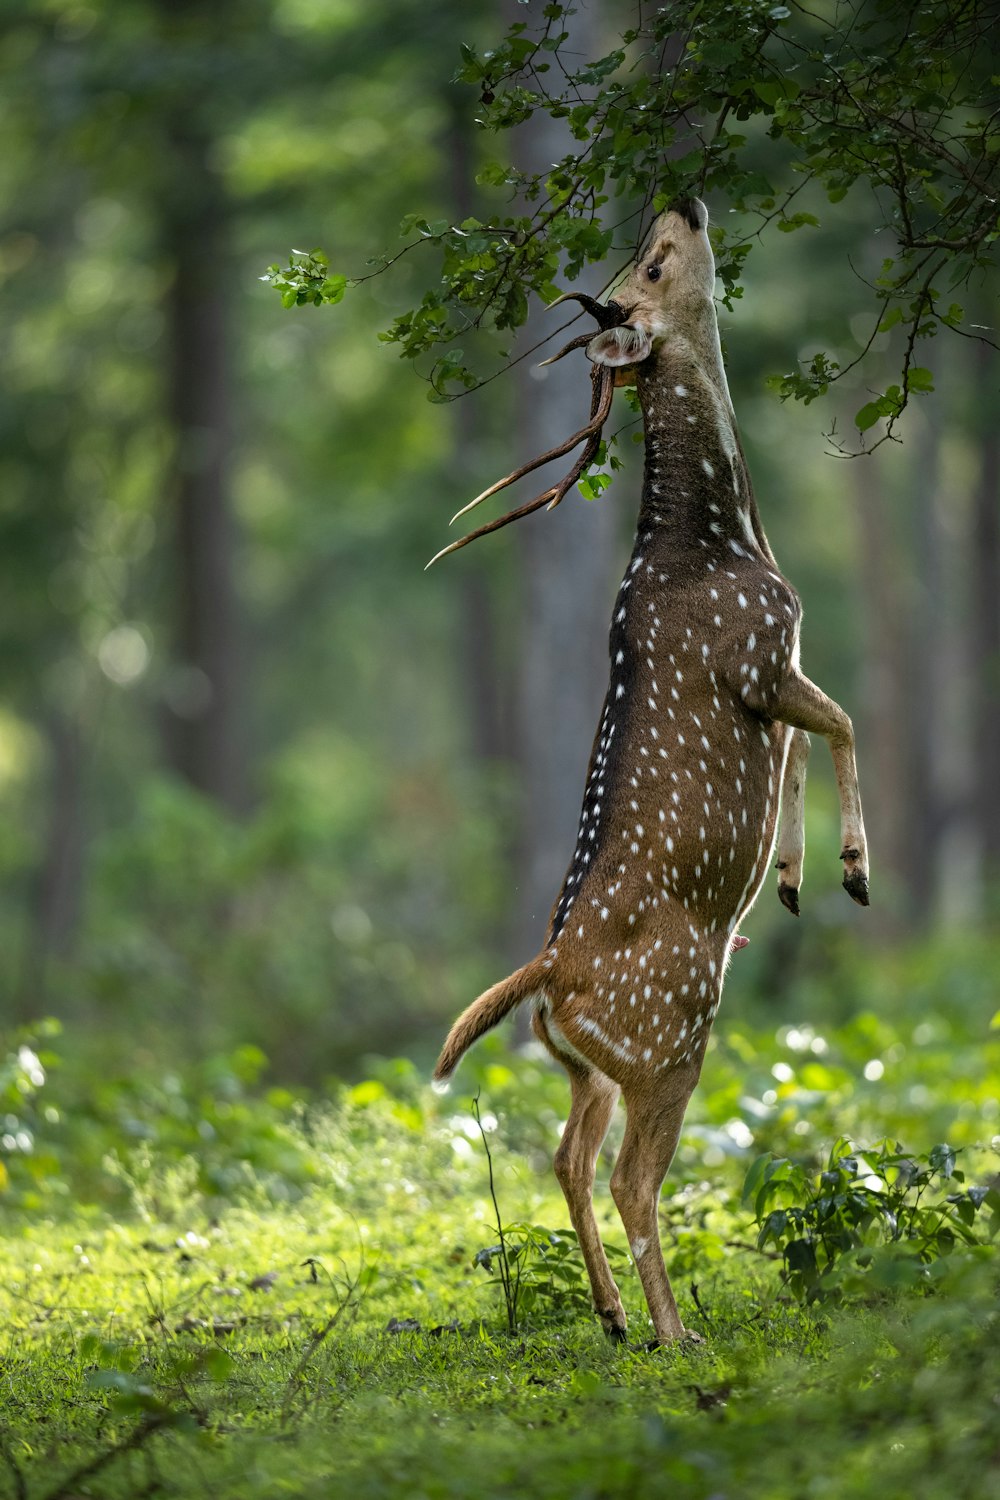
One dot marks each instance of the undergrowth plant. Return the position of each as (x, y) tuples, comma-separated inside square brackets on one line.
[(540, 1272), (872, 1220)]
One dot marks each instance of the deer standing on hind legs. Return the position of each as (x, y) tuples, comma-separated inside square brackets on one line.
[(704, 728)]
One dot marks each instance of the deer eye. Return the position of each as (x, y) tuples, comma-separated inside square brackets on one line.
[(654, 272)]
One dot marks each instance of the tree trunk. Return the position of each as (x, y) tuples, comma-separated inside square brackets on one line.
[(486, 689), (984, 640), (883, 744), (568, 577), (924, 677), (205, 732), (60, 879)]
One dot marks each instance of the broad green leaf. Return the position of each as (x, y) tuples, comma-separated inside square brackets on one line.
[(867, 416)]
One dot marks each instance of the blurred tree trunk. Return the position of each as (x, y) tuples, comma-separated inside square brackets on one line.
[(567, 561), (486, 685), (984, 644), (60, 882), (56, 904), (925, 677), (883, 744), (204, 721)]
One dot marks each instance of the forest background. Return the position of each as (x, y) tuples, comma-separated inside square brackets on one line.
[(263, 780), (274, 803)]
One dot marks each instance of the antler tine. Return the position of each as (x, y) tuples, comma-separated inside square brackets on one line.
[(535, 463), (606, 314), (513, 515), (577, 343), (603, 394), (604, 390)]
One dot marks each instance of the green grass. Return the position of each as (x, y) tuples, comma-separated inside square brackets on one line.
[(208, 1311), (151, 1357), (154, 1358)]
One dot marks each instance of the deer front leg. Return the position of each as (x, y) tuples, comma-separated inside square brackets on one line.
[(801, 704), (792, 837)]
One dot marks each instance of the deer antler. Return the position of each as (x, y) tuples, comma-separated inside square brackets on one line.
[(603, 381), (536, 463), (605, 314), (608, 315)]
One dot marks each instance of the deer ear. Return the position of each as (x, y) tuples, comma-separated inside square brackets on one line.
[(624, 345)]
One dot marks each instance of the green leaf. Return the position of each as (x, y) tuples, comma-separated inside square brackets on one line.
[(755, 1176), (333, 289), (797, 221), (867, 416), (920, 379), (942, 1159)]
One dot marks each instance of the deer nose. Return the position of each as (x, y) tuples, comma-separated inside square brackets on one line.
[(691, 210)]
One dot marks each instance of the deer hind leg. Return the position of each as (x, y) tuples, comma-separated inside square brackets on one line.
[(801, 704), (651, 1134), (792, 837), (594, 1099)]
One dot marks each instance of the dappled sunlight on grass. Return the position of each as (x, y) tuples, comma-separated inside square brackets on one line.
[(212, 1283)]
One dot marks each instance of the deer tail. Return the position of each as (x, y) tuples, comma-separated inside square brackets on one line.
[(488, 1011)]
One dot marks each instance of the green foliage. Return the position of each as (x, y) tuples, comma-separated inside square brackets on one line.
[(868, 1220), (541, 1276), (876, 96), (217, 1283), (306, 278), (25, 1061), (298, 904), (337, 1338), (138, 1136)]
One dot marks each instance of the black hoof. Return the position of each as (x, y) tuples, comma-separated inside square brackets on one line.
[(614, 1330), (856, 886), (686, 1336), (788, 895)]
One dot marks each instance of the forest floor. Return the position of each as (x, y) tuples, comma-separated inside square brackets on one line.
[(137, 1364), (308, 1301)]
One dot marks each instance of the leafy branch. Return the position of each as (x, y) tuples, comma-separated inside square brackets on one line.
[(897, 99)]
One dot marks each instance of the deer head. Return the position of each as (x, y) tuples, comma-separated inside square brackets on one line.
[(666, 286), (669, 283)]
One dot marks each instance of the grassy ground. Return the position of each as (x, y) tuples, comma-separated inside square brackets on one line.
[(298, 1306), (134, 1367)]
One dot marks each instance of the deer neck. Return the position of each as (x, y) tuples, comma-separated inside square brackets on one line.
[(696, 483)]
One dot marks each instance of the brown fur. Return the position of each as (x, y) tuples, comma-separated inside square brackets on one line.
[(486, 1012)]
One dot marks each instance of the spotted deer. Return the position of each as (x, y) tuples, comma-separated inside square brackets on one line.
[(704, 730)]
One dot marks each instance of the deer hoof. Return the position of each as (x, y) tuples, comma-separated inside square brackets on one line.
[(788, 895), (650, 1346), (614, 1327), (856, 886)]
